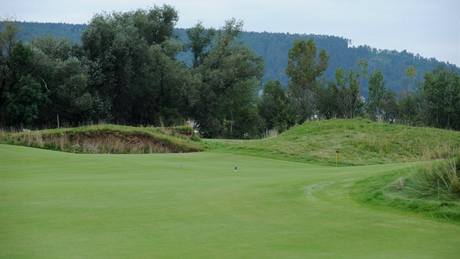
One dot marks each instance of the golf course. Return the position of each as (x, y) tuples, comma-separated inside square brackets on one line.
[(234, 199)]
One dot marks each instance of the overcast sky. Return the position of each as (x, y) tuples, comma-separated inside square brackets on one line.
[(428, 27)]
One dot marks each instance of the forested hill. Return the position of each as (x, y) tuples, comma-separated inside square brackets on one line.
[(273, 48)]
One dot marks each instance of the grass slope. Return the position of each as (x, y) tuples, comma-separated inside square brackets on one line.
[(426, 189), (359, 141), (107, 138), (64, 205)]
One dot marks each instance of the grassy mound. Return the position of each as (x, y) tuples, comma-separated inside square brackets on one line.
[(432, 189), (359, 141), (107, 138)]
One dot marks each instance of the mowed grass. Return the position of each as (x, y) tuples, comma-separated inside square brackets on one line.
[(63, 205), (359, 142)]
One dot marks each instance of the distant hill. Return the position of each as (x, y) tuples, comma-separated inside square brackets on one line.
[(273, 48)]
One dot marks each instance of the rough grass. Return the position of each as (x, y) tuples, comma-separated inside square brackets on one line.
[(439, 180), (359, 141), (432, 189), (107, 138)]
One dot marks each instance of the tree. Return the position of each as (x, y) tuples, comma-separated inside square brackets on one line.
[(200, 41), (353, 100), (274, 107), (376, 95), (410, 108), (348, 96), (24, 101), (226, 99), (7, 43), (133, 66), (24, 91), (363, 73), (441, 93), (390, 107), (305, 65), (64, 72), (327, 101), (341, 98)]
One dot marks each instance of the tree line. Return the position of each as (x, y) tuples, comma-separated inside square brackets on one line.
[(274, 47), (433, 101), (126, 71)]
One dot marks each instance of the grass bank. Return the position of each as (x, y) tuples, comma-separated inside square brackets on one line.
[(432, 189), (107, 138), (358, 141)]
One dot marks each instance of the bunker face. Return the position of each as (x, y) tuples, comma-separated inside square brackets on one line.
[(61, 205), (110, 139)]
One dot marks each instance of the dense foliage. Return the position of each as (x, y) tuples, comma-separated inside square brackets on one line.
[(274, 48), (129, 69), (133, 66), (229, 76), (126, 71)]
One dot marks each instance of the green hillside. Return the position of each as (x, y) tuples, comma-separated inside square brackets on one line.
[(358, 141), (274, 47)]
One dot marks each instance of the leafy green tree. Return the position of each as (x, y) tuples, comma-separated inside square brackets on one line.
[(363, 73), (376, 95), (226, 98), (410, 108), (24, 91), (72, 99), (441, 93), (341, 98), (133, 66), (64, 73), (341, 93), (390, 106), (354, 100), (304, 67), (7, 43), (200, 41), (274, 107), (328, 106), (349, 102), (24, 101), (56, 48)]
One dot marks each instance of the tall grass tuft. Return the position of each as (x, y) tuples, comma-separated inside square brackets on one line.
[(438, 180)]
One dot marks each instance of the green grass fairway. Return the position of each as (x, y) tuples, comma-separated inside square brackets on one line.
[(63, 205)]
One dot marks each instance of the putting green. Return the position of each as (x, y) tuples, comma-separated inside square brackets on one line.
[(62, 205)]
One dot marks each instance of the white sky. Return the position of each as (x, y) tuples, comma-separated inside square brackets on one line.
[(428, 27)]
